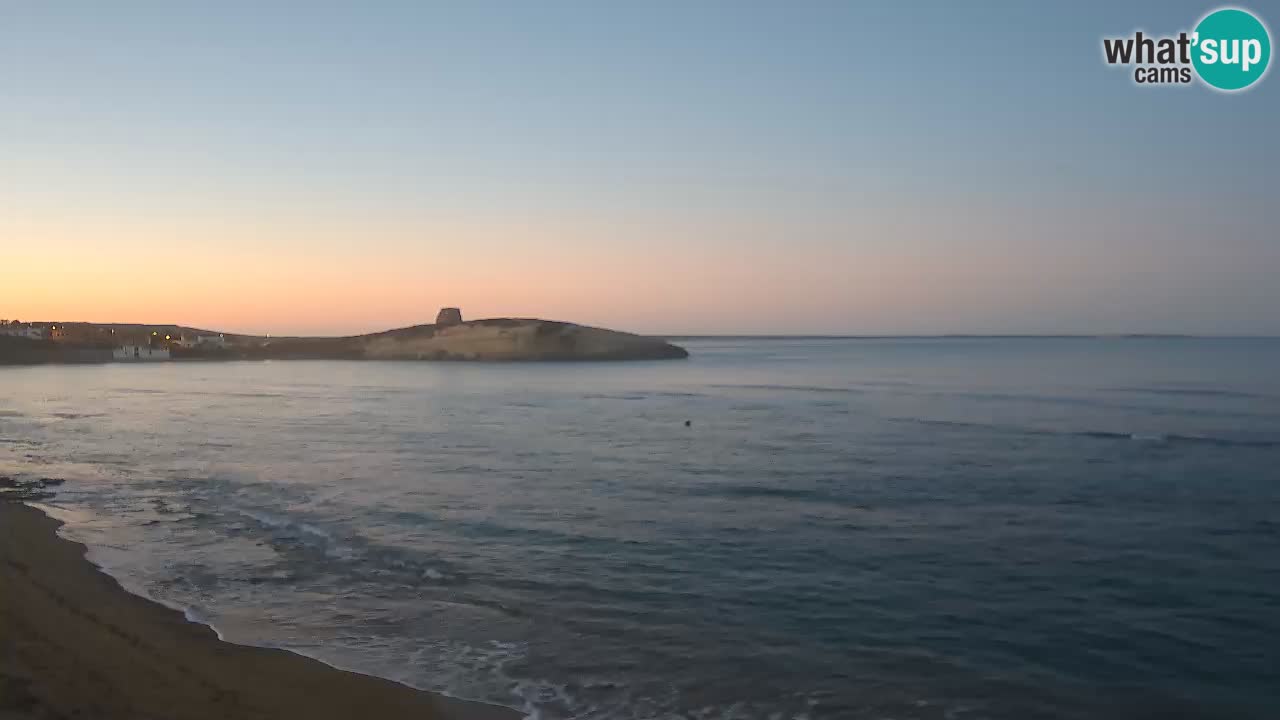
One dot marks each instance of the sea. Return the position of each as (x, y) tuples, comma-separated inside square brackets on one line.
[(775, 528)]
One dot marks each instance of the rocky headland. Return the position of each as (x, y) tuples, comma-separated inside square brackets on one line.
[(449, 338)]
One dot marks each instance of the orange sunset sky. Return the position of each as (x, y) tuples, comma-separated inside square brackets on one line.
[(641, 169)]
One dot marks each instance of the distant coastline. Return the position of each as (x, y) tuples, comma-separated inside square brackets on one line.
[(448, 339)]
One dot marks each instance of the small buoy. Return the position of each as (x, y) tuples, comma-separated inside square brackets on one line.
[(688, 423)]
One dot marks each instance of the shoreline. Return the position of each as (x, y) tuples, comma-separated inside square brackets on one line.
[(75, 643)]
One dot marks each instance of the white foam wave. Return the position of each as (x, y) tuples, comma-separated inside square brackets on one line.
[(314, 531), (264, 518), (194, 616)]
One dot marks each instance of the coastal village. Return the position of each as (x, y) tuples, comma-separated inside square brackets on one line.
[(92, 342)]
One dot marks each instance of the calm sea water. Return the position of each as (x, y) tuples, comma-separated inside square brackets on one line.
[(907, 529)]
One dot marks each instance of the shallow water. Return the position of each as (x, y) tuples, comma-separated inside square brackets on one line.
[(910, 529)]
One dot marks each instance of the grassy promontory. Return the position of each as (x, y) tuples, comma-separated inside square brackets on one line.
[(497, 339)]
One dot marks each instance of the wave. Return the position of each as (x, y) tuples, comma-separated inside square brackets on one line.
[(765, 492), (216, 393), (791, 388), (194, 616), (1180, 439), (1094, 403), (283, 523), (758, 491), (1165, 438), (639, 395), (1193, 392), (304, 532), (190, 613), (197, 615), (358, 555)]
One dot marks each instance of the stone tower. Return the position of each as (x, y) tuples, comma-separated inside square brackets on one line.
[(449, 316)]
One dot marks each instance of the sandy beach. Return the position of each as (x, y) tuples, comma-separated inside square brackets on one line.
[(74, 644)]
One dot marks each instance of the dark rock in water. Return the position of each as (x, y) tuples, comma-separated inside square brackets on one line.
[(24, 490), (688, 423), (449, 316), (25, 494)]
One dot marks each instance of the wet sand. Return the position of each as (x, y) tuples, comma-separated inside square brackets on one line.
[(74, 644)]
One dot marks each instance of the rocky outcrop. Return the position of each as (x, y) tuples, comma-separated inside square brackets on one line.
[(449, 316), (515, 339), (27, 490)]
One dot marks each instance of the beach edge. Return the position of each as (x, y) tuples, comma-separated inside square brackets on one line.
[(74, 642)]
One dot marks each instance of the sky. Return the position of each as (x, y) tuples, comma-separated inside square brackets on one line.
[(661, 167)]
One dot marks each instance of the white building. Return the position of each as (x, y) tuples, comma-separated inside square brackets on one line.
[(219, 341), (139, 353), (203, 341), (34, 332)]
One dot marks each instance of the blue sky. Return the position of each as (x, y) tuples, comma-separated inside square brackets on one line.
[(662, 166)]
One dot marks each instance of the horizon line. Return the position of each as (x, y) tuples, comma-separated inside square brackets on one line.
[(739, 335)]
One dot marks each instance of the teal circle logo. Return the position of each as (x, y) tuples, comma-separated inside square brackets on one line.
[(1232, 49)]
